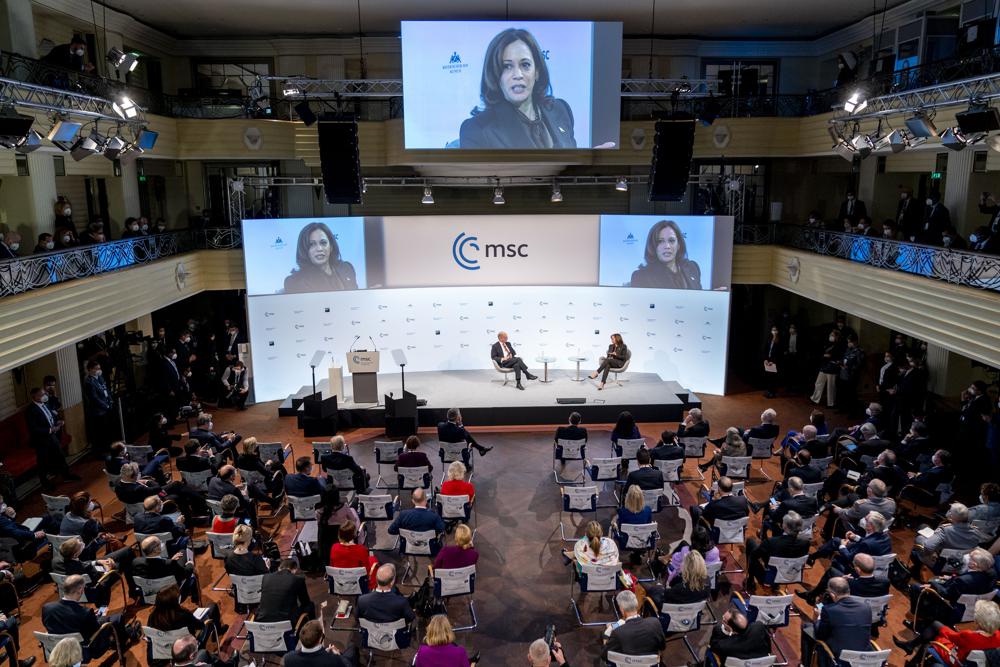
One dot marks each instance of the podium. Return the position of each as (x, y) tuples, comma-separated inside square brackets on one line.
[(401, 416), (363, 366)]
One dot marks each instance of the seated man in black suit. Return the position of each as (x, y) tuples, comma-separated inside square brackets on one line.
[(226, 442), (863, 582), (153, 565), (800, 465), (796, 501), (283, 595), (131, 489), (197, 458), (29, 542), (312, 653), (67, 616), (103, 573), (152, 520), (301, 483), (503, 355), (766, 430), (694, 425), (922, 488), (724, 505), (338, 459), (185, 653), (420, 518), (573, 431), (454, 431), (978, 579), (736, 637), (875, 542), (786, 545), (844, 623), (385, 604), (223, 485), (633, 635), (646, 477), (116, 458), (668, 448)]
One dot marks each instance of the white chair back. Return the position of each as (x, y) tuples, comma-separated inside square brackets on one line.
[(653, 499), (161, 642), (221, 544), (131, 511), (879, 607), (454, 581), (787, 570), (164, 538), (60, 581), (812, 490), (304, 508), (112, 479), (346, 580), (765, 661), (969, 600), (683, 617), (731, 531), (56, 506), (452, 507), (630, 447), (270, 451), (57, 541), (713, 574), (772, 610), (599, 577), (140, 454), (381, 636), (739, 487), (864, 658), (808, 526), (49, 642), (694, 446), (268, 637), (417, 542), (882, 565), (197, 480), (606, 469), (215, 506), (640, 535), (977, 658), (671, 469), (570, 450), (414, 478), (624, 660), (247, 587), (320, 449), (387, 451), (374, 507), (250, 476), (761, 448), (452, 451), (987, 527), (579, 498), (150, 587), (737, 467), (341, 479), (822, 464)]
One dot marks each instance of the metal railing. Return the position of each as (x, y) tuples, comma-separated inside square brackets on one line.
[(958, 267)]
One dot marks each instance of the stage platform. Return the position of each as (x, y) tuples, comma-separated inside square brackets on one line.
[(484, 400)]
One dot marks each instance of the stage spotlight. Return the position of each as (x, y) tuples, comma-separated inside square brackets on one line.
[(122, 61), (13, 127), (114, 147), (32, 141), (994, 142), (856, 103), (845, 149), (498, 196), (621, 185), (921, 126), (125, 107), (556, 194), (428, 197), (954, 139), (863, 145), (89, 145), (894, 141), (291, 92)]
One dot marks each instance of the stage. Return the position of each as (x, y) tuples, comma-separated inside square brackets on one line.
[(484, 400)]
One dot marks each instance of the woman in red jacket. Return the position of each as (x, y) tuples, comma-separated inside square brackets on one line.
[(953, 646), (347, 554)]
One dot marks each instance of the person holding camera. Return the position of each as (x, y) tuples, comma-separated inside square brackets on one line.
[(541, 653), (738, 638)]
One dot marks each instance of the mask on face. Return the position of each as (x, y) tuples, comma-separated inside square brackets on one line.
[(163, 422), (79, 52), (44, 398), (868, 411), (863, 523), (98, 373), (15, 246), (812, 220), (67, 211), (173, 356), (946, 241), (974, 238), (982, 499), (902, 195), (832, 338), (49, 245), (192, 326), (134, 228), (930, 202), (160, 228), (144, 227), (888, 360), (67, 238)]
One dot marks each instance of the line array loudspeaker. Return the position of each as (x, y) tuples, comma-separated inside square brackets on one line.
[(339, 161), (673, 147)]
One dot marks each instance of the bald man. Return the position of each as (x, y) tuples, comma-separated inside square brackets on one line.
[(504, 355), (420, 518)]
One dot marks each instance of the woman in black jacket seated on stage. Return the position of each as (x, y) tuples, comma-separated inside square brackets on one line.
[(518, 109), (321, 268), (616, 357), (666, 262)]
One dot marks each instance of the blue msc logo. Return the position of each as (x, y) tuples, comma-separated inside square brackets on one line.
[(458, 251), (454, 58)]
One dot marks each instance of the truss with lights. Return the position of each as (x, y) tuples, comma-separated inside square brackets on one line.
[(69, 103), (978, 89)]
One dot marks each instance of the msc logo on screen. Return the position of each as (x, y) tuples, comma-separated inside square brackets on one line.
[(467, 251)]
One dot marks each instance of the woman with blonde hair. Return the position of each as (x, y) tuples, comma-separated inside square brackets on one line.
[(241, 561), (953, 646), (593, 548), (635, 509), (67, 653), (692, 585), (460, 554), (439, 649)]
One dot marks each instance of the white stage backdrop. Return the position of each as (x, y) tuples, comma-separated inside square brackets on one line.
[(679, 334)]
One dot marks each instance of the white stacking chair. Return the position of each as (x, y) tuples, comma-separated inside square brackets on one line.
[(320, 449), (220, 546), (671, 469), (774, 612), (250, 476), (415, 544), (48, 642), (270, 638), (410, 479), (57, 541), (141, 454), (449, 452), (386, 454), (731, 532), (951, 561), (246, 593), (601, 579), (199, 480), (976, 658), (161, 642), (568, 450), (384, 637), (739, 487), (812, 489), (377, 512), (822, 464), (454, 508), (683, 619), (60, 581), (864, 658), (56, 506), (808, 527), (576, 500), (879, 607), (273, 451), (966, 604), (987, 527), (761, 449), (627, 449), (616, 659), (694, 448), (112, 479), (765, 661), (350, 582), (132, 510), (657, 499), (150, 587), (343, 481), (882, 565), (737, 467), (606, 472), (786, 570), (303, 510), (637, 535), (457, 582)]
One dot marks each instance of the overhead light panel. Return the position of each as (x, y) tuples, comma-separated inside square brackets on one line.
[(863, 145), (125, 107), (428, 197), (894, 141), (291, 92), (14, 127), (622, 185), (121, 60), (89, 145), (114, 147), (556, 194), (921, 126), (498, 196), (32, 141), (856, 103), (954, 139), (994, 142), (63, 131)]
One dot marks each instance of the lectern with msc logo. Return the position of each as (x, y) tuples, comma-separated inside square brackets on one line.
[(364, 375)]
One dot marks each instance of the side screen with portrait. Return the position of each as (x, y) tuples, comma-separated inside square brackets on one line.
[(666, 251), (525, 85)]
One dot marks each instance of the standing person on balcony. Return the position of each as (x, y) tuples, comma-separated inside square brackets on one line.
[(852, 209), (72, 56), (936, 220), (989, 206), (908, 213)]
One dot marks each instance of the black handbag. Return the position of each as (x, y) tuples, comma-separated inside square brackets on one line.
[(899, 576), (423, 602)]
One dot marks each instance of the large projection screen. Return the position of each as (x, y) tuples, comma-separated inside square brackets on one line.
[(440, 287)]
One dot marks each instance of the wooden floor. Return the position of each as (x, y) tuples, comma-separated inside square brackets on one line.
[(522, 584)]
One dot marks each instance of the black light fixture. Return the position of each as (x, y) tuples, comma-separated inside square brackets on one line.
[(306, 114), (14, 127), (921, 126), (121, 60), (498, 199), (622, 184)]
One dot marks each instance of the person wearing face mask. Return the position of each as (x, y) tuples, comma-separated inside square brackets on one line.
[(10, 243), (185, 350), (988, 205), (873, 541), (65, 239), (160, 436), (988, 509), (983, 240), (936, 220), (46, 243), (170, 380), (98, 404), (774, 350), (951, 240), (791, 359), (230, 345), (144, 225), (851, 366), (829, 370), (27, 541), (865, 227), (93, 234), (132, 228), (43, 429), (159, 226), (72, 56), (852, 209), (814, 221), (909, 215), (910, 392), (888, 376)]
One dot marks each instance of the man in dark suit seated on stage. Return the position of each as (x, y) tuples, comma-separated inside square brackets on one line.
[(844, 624), (723, 506), (736, 637), (67, 616), (503, 355), (454, 431), (796, 501), (385, 604), (646, 477), (301, 483), (634, 635), (338, 459), (785, 545), (667, 449), (420, 518), (283, 595), (573, 431)]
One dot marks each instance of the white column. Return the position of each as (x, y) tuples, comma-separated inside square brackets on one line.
[(129, 183), (866, 184), (17, 27), (68, 372), (42, 175), (956, 189)]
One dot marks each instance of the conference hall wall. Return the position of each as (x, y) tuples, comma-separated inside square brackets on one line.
[(441, 287)]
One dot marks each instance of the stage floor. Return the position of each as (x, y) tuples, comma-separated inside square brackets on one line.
[(484, 399)]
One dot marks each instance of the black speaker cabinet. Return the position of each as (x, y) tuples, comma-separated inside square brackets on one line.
[(673, 147), (339, 160)]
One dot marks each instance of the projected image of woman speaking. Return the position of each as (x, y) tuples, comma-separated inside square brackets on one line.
[(666, 262), (518, 109), (320, 267)]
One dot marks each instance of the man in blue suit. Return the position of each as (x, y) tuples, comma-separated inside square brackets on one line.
[(301, 483), (454, 431), (222, 444), (420, 518), (876, 542), (97, 404), (978, 579), (844, 624), (67, 615)]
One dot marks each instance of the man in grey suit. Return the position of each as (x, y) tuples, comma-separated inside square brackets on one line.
[(635, 636), (957, 534), (844, 623), (876, 501)]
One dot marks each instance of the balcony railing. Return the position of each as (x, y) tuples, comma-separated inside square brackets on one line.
[(958, 267)]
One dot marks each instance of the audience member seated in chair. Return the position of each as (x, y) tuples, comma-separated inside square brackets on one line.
[(283, 595), (958, 533), (456, 485), (693, 584), (573, 431), (187, 654), (875, 542), (799, 466), (79, 521), (701, 541), (227, 521), (635, 509), (937, 599), (461, 554), (152, 520), (420, 518), (694, 425), (338, 459), (844, 623), (330, 516), (766, 430), (224, 484), (104, 573), (311, 651), (301, 483), (272, 472), (411, 457), (625, 427), (67, 616), (786, 545), (439, 647), (724, 505), (241, 561), (633, 635), (347, 554), (153, 565), (922, 487), (646, 477), (732, 445), (668, 448), (197, 458), (385, 604), (223, 445), (168, 614), (736, 637), (593, 548), (952, 647), (796, 501), (846, 514), (862, 581), (453, 430)]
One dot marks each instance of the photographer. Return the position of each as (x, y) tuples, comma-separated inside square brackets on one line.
[(737, 637), (540, 655)]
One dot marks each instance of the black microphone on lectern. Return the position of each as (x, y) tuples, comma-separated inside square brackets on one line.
[(374, 346), (351, 349)]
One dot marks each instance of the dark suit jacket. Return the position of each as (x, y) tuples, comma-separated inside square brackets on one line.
[(188, 463), (218, 488), (156, 568), (282, 596), (754, 642), (976, 583), (500, 126), (806, 506), (666, 452), (380, 607), (496, 353), (571, 433), (818, 448), (637, 636), (762, 431), (868, 587), (12, 529), (415, 459), (321, 658), (340, 461), (452, 432), (64, 617), (152, 522), (133, 492), (646, 479), (782, 546), (170, 374), (38, 427), (208, 438), (726, 508), (301, 485), (932, 478), (417, 519), (859, 211), (808, 474), (876, 544), (96, 396), (845, 625), (698, 430)]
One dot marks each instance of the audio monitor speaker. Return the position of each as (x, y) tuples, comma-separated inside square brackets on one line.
[(671, 166)]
